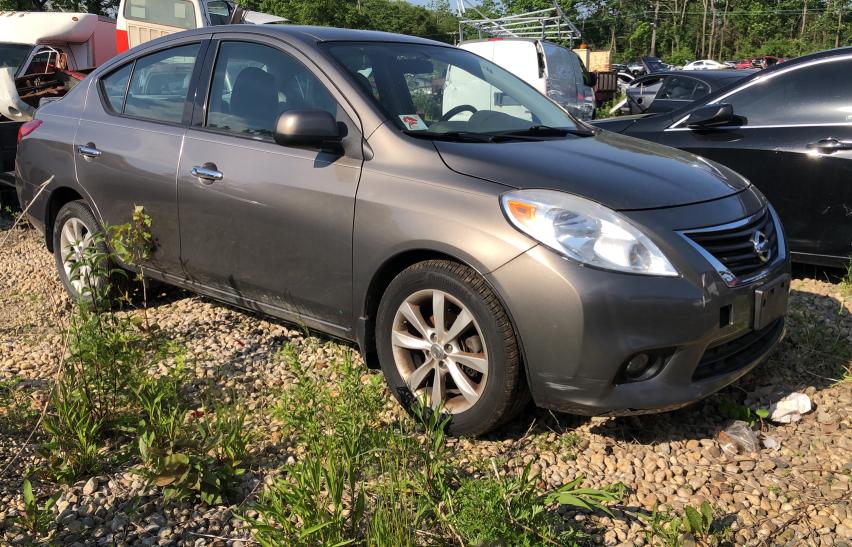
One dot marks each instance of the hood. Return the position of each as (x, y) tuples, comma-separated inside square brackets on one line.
[(617, 171)]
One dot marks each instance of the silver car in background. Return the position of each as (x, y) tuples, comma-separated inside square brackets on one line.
[(478, 253)]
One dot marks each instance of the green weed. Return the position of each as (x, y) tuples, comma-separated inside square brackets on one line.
[(36, 519), (17, 411), (697, 524), (363, 481), (735, 411), (107, 407), (203, 455)]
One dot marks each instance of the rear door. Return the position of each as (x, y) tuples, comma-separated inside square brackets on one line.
[(130, 137), (273, 229), (641, 93), (793, 140)]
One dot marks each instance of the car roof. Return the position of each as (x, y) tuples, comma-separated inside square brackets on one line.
[(709, 76), (498, 39), (846, 50), (827, 54), (308, 34)]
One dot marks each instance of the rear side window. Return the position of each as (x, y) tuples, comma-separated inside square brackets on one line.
[(160, 84), (820, 93), (114, 87), (253, 84), (171, 13), (679, 88)]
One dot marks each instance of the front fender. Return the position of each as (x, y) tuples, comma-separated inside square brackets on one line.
[(396, 216)]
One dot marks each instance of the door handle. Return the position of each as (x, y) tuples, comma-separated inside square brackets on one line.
[(89, 151), (207, 173), (828, 146)]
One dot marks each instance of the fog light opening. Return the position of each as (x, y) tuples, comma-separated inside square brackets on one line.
[(642, 366), (638, 365)]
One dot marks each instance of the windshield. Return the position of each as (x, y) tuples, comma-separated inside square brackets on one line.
[(13, 55), (431, 90)]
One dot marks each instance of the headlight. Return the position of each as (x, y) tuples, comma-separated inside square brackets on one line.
[(584, 231)]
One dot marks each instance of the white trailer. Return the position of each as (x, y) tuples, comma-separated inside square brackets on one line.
[(43, 55)]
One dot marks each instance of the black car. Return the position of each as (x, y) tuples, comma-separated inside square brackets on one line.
[(667, 91), (789, 130)]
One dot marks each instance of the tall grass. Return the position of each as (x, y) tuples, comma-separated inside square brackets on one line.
[(367, 476), (109, 408)]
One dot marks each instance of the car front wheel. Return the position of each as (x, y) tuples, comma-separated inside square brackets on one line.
[(444, 339)]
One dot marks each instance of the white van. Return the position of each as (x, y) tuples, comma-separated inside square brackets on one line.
[(552, 69), (140, 21)]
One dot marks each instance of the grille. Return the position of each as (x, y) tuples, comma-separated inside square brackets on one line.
[(730, 356), (733, 247)]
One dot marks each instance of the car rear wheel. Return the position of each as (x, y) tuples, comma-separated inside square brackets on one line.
[(73, 237), (444, 338)]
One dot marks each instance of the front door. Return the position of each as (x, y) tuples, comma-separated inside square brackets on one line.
[(268, 226), (793, 140), (129, 141)]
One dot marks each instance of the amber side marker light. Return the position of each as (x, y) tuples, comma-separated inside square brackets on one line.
[(522, 212)]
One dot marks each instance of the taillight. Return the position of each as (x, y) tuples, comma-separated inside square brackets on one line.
[(28, 128)]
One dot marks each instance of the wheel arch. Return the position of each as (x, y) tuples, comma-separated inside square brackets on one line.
[(55, 201), (393, 266)]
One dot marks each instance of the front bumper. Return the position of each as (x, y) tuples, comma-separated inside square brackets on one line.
[(578, 326)]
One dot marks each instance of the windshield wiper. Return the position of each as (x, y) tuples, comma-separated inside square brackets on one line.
[(533, 133), (457, 136), (547, 131), (471, 136)]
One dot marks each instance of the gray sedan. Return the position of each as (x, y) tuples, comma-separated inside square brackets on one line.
[(480, 251)]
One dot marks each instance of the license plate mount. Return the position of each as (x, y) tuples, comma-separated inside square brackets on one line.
[(770, 301)]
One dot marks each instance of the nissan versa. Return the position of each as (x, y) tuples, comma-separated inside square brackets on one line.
[(480, 251)]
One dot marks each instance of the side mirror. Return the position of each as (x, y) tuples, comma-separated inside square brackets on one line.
[(593, 79), (711, 115), (307, 127)]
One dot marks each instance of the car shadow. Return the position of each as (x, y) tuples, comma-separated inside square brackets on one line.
[(814, 353)]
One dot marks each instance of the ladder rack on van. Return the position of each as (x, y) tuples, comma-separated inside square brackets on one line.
[(548, 23)]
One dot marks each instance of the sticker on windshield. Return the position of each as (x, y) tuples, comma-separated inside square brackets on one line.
[(413, 122)]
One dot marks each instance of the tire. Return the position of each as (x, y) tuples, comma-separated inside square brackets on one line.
[(488, 399), (76, 218)]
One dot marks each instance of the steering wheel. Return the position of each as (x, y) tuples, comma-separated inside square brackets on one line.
[(458, 110)]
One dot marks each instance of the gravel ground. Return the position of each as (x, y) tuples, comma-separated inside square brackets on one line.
[(798, 493)]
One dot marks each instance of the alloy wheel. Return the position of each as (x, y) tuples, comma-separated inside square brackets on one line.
[(439, 350), (74, 239)]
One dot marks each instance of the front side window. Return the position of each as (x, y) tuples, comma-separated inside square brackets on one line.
[(820, 93), (170, 13), (253, 84), (160, 84), (13, 55), (47, 60), (433, 89)]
